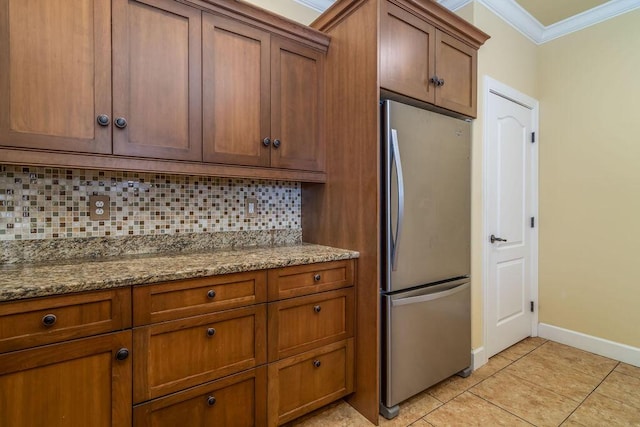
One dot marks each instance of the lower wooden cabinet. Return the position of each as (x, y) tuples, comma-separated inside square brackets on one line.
[(302, 383), (196, 356), (73, 384), (236, 401), (171, 356)]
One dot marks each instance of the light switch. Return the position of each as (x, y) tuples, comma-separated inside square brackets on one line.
[(99, 208)]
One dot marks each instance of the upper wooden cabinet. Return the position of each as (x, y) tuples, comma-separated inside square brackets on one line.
[(262, 98), (407, 54), (236, 78), (157, 79), (55, 74), (202, 88), (426, 63), (296, 106)]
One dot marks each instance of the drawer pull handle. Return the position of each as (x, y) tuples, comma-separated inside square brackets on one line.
[(317, 277), (122, 354), (211, 400), (316, 363), (317, 308), (211, 332), (49, 320), (211, 294)]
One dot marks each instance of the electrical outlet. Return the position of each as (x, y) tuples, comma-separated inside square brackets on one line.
[(250, 207), (99, 208)]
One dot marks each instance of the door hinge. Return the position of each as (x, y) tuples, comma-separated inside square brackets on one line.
[(533, 222), (533, 137), (532, 306)]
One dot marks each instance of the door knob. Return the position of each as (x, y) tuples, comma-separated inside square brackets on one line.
[(120, 122), (494, 239)]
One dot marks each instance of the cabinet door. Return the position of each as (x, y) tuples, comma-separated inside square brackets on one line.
[(235, 83), (305, 382), (297, 99), (236, 401), (55, 74), (456, 65), (407, 54), (75, 384), (157, 79)]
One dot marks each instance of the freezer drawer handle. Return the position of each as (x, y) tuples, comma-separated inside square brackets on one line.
[(430, 297), (398, 163)]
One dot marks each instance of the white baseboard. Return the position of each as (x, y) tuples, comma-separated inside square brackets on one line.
[(610, 349), (478, 358)]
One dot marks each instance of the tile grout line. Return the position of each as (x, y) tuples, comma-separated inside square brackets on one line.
[(505, 367), (592, 391), (511, 362)]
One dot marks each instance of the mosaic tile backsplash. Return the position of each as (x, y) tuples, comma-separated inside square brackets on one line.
[(39, 203)]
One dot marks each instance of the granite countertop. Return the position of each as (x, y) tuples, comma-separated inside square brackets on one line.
[(45, 279)]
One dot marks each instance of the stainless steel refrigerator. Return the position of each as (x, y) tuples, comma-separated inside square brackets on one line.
[(426, 331)]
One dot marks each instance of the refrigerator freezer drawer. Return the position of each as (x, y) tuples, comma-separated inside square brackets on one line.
[(427, 338)]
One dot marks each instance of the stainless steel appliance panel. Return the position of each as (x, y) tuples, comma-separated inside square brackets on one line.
[(427, 338), (428, 199)]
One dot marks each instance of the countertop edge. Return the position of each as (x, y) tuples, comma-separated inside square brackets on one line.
[(250, 259)]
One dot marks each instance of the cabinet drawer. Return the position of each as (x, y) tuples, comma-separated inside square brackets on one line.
[(35, 322), (308, 279), (175, 355), (308, 381), (300, 324), (185, 298), (236, 401)]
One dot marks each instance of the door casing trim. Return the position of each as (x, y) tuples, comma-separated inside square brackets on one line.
[(492, 86)]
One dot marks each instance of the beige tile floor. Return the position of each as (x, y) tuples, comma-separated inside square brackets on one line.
[(535, 382)]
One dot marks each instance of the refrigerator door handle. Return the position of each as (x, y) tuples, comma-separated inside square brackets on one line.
[(396, 160), (430, 297)]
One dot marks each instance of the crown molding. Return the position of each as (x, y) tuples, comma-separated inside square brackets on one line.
[(516, 16)]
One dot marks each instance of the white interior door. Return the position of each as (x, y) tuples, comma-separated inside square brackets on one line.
[(511, 193)]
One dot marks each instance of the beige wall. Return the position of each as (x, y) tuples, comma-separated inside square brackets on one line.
[(589, 274), (509, 57), (289, 9)]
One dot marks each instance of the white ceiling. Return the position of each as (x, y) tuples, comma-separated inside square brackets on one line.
[(549, 12)]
